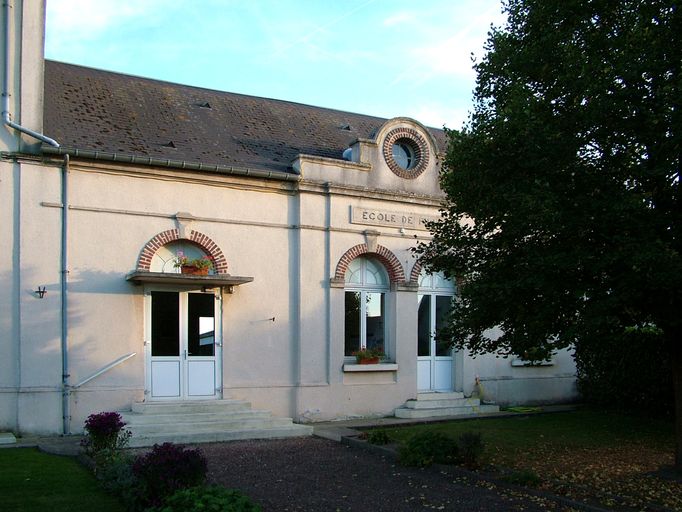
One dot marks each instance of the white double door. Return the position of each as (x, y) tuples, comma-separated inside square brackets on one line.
[(434, 360), (183, 345)]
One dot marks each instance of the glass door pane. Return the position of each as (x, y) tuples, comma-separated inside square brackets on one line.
[(424, 326), (165, 324), (443, 307), (200, 324)]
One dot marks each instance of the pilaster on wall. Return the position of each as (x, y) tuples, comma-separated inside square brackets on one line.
[(26, 65), (205, 243)]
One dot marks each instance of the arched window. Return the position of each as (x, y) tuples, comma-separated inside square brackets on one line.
[(365, 305), (165, 257)]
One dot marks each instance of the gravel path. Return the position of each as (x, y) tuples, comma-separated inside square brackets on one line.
[(312, 474)]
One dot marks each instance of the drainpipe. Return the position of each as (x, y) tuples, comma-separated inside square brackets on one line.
[(6, 116), (327, 276), (64, 265)]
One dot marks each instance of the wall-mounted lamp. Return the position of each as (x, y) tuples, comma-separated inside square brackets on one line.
[(40, 292)]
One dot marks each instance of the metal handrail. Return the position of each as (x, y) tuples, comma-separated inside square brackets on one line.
[(105, 369)]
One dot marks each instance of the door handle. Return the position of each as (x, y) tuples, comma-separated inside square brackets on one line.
[(185, 354)]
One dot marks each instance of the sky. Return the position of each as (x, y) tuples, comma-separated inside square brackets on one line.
[(386, 58)]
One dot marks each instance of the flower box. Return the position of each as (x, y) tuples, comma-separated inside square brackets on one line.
[(192, 270), (369, 360)]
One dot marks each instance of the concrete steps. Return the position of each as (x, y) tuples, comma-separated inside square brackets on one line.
[(204, 422), (190, 406), (434, 405)]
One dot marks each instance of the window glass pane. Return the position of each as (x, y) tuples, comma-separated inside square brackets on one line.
[(442, 282), (354, 272), (424, 326), (165, 257), (403, 155), (436, 281), (425, 279), (165, 324), (200, 324), (443, 307), (374, 313), (352, 323), (375, 273)]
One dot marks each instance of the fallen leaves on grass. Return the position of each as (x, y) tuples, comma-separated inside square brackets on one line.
[(613, 476)]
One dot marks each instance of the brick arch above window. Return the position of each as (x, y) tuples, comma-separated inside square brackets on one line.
[(416, 270), (396, 274), (173, 235)]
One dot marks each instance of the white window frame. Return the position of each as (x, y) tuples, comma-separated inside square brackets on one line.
[(364, 286), (434, 286)]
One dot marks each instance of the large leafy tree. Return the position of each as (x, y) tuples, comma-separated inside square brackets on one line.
[(562, 216)]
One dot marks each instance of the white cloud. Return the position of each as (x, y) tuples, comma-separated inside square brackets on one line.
[(439, 53), (84, 18), (73, 23), (321, 28), (398, 18), (438, 115)]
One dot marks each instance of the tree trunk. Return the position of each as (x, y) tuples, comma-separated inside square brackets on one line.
[(676, 352)]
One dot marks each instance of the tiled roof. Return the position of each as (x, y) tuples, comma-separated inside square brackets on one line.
[(90, 109)]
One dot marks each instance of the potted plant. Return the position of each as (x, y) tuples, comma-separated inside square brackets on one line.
[(369, 355), (196, 266)]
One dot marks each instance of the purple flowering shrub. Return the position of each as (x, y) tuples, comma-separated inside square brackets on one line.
[(104, 432), (167, 468)]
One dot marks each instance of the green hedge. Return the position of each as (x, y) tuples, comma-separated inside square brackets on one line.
[(628, 372)]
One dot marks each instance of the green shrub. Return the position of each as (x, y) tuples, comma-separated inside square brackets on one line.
[(626, 370), (470, 446), (426, 448), (166, 469), (208, 499), (525, 477), (378, 437), (116, 477)]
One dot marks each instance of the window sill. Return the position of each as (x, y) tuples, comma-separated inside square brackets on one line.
[(523, 363), (381, 367), (226, 281)]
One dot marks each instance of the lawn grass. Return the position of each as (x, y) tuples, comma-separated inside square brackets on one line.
[(34, 481), (506, 437), (585, 454)]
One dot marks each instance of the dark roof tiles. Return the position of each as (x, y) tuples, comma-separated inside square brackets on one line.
[(90, 109)]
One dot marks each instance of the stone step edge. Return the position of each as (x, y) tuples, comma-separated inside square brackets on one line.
[(295, 430), (435, 404), (254, 424), (153, 407), (434, 395), (186, 417), (404, 412)]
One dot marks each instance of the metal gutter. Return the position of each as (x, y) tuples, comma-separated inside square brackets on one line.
[(172, 164), (6, 116)]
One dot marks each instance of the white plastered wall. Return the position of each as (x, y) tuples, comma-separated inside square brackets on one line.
[(283, 332)]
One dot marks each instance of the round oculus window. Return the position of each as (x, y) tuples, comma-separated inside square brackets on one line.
[(406, 152), (403, 154)]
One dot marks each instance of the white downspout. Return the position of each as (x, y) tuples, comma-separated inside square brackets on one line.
[(64, 264), (6, 116)]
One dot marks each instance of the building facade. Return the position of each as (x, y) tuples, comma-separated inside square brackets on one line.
[(308, 216)]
